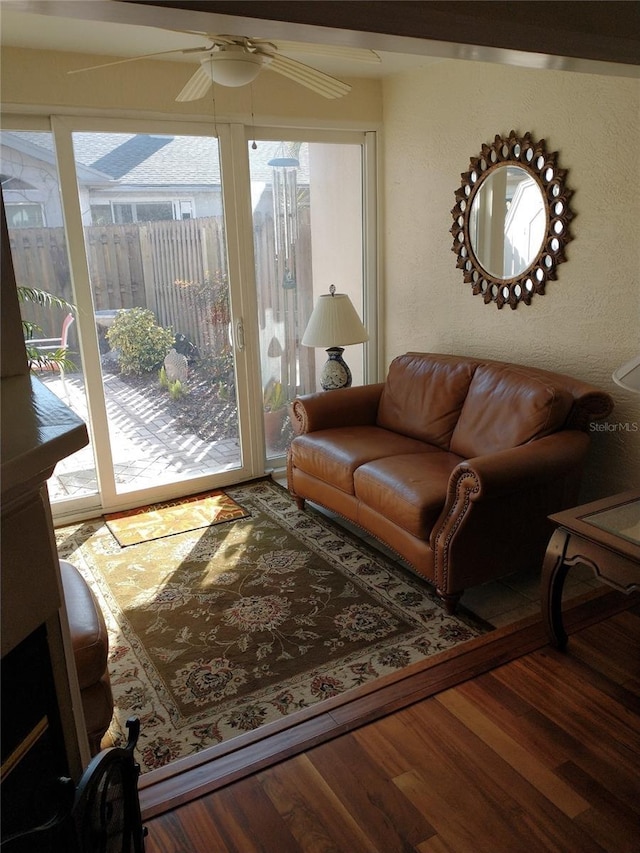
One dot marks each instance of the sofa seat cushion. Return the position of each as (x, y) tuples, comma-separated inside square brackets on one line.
[(410, 490), (423, 396), (332, 455), (506, 407)]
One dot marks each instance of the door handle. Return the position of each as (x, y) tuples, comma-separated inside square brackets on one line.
[(239, 335)]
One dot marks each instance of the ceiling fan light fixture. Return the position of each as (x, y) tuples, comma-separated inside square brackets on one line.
[(233, 66)]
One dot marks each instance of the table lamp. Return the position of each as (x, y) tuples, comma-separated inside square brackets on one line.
[(334, 324), (628, 375)]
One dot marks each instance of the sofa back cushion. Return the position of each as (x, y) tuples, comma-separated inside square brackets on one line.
[(423, 396), (506, 407)]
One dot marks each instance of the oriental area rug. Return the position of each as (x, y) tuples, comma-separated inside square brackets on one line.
[(217, 631)]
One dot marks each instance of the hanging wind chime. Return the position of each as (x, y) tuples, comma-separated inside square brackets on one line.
[(285, 219)]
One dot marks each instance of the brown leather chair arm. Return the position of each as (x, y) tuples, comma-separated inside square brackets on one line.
[(355, 406)]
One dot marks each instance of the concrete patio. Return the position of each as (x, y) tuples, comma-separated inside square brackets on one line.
[(147, 450)]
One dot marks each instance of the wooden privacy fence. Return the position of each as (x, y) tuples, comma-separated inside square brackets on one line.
[(137, 265), (40, 261), (185, 277), (116, 266), (133, 265), (178, 269)]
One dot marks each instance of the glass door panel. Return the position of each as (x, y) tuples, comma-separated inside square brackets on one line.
[(31, 193), (307, 204), (156, 251)]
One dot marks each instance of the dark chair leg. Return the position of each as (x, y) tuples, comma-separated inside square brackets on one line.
[(450, 600)]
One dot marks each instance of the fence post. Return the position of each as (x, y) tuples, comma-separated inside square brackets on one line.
[(148, 276)]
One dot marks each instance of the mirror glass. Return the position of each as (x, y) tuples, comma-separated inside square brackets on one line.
[(507, 222)]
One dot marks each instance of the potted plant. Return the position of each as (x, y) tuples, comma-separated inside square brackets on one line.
[(44, 353), (275, 411)]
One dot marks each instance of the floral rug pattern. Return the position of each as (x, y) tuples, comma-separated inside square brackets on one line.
[(216, 631)]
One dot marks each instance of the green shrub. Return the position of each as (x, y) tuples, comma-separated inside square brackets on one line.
[(140, 343)]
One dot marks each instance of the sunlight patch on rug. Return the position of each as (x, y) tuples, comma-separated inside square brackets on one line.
[(156, 521), (217, 631)]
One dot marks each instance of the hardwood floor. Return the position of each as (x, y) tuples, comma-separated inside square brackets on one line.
[(539, 754)]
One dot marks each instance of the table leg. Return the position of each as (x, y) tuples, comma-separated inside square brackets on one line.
[(554, 572)]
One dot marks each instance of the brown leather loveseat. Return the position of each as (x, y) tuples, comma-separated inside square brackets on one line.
[(453, 462)]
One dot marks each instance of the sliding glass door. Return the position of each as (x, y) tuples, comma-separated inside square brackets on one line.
[(155, 243), (189, 265)]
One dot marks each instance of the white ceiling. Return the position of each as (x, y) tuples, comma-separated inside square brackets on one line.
[(48, 31)]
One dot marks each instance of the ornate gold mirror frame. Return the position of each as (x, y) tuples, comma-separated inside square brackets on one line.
[(511, 220)]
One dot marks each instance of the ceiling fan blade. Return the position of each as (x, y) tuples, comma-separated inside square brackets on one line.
[(136, 58), (197, 86), (319, 82), (333, 50), (214, 37)]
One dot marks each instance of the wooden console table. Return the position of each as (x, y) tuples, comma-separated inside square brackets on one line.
[(604, 535)]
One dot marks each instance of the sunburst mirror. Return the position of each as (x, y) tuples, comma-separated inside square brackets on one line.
[(511, 220)]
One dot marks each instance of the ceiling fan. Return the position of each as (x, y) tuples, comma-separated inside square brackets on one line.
[(237, 60)]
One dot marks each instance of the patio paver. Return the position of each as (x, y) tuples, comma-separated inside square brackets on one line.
[(146, 448)]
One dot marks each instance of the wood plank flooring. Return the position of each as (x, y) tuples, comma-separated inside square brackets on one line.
[(541, 753)]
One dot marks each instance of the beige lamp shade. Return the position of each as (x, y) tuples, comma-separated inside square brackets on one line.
[(628, 375), (334, 323)]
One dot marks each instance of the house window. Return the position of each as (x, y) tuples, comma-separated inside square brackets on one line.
[(183, 209), (101, 214), (24, 215), (152, 211), (122, 213)]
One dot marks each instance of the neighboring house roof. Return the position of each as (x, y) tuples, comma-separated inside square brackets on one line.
[(185, 160), (40, 147), (147, 160), (126, 157)]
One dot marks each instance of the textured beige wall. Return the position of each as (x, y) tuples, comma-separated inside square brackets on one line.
[(589, 320), (30, 77)]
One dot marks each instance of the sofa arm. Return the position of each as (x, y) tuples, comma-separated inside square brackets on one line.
[(355, 406), (526, 466), (495, 519)]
